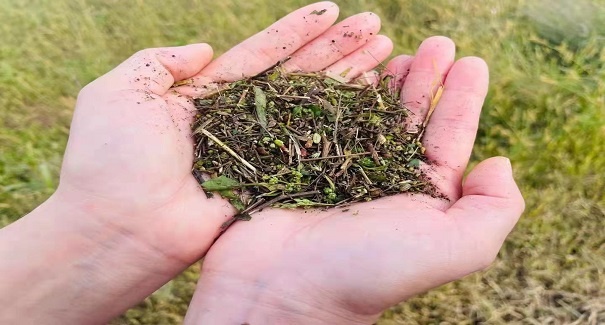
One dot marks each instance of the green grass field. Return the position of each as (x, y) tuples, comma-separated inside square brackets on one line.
[(545, 110)]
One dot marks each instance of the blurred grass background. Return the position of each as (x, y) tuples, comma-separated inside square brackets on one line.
[(545, 111)]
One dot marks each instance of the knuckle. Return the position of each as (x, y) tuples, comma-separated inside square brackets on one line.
[(488, 256), (87, 91), (486, 261), (144, 53)]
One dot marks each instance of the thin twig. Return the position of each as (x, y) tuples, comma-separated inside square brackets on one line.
[(434, 102), (325, 151), (335, 133), (340, 156), (292, 97), (253, 206), (365, 176), (374, 153), (226, 148), (293, 130), (281, 197)]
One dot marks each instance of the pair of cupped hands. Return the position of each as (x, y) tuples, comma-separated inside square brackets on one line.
[(133, 216)]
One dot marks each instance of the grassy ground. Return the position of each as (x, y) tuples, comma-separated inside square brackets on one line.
[(545, 111)]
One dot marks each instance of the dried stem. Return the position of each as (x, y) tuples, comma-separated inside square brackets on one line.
[(340, 156), (227, 149)]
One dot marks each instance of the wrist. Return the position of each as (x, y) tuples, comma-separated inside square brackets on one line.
[(65, 264), (221, 299)]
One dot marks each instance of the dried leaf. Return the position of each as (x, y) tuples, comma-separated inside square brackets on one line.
[(299, 203), (260, 101), (244, 217), (316, 138), (319, 13), (346, 72), (329, 109)]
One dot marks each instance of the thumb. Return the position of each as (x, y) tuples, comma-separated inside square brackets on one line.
[(155, 70), (490, 206)]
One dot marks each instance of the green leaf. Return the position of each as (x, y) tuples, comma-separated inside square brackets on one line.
[(316, 109), (233, 199), (297, 111), (260, 100), (274, 75), (238, 204), (220, 183), (414, 163), (228, 194)]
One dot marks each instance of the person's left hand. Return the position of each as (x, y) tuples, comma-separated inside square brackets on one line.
[(126, 195)]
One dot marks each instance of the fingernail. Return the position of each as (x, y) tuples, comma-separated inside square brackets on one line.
[(509, 166)]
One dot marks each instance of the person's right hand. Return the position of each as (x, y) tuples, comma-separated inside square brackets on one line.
[(347, 265)]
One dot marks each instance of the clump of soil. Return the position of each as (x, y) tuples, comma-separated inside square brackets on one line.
[(305, 140)]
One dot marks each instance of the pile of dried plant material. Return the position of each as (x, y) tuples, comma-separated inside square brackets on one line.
[(305, 140)]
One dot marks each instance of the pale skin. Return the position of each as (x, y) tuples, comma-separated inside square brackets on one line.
[(128, 216)]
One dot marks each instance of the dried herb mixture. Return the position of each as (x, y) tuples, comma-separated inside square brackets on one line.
[(305, 140)]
